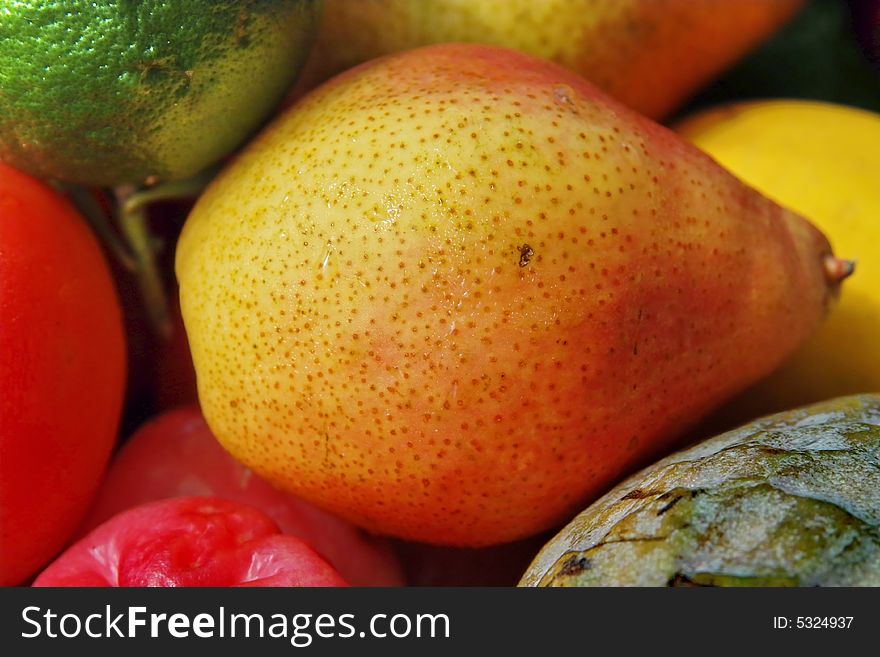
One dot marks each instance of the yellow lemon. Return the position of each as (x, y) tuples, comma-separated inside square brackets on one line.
[(823, 161)]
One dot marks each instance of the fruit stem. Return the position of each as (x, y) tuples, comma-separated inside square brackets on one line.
[(133, 224), (174, 190), (84, 201), (132, 206), (136, 252), (837, 269)]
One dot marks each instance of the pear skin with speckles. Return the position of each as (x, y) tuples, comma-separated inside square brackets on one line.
[(456, 293), (651, 55)]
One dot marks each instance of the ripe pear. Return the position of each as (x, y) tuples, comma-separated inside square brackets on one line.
[(649, 54), (456, 293), (832, 179)]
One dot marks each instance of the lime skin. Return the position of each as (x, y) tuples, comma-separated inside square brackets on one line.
[(112, 92)]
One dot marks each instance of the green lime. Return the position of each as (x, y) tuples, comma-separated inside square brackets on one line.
[(108, 92)]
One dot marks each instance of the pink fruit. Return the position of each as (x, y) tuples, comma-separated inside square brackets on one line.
[(176, 455), (191, 541)]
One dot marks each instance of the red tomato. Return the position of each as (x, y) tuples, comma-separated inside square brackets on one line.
[(62, 372), (189, 541), (177, 455)]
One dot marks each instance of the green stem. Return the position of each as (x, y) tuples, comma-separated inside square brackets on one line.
[(132, 207), (169, 191), (133, 223), (98, 220), (136, 252)]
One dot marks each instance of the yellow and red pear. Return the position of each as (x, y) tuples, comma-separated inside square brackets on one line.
[(457, 293), (651, 55)]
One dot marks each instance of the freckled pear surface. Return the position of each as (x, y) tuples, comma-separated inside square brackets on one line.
[(650, 55), (456, 293)]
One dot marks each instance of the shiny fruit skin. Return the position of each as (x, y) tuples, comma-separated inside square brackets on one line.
[(175, 455), (62, 372), (820, 160), (791, 499), (109, 92), (189, 541), (649, 54), (458, 291)]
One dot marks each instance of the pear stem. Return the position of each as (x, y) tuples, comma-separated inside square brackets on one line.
[(837, 269), (132, 204), (168, 191), (135, 249), (133, 223), (97, 218)]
